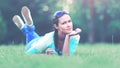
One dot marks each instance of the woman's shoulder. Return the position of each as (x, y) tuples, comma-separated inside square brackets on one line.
[(49, 36), (50, 33)]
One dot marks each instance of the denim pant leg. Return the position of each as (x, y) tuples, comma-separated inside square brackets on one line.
[(29, 32)]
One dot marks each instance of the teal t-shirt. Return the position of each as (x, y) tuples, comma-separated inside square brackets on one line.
[(40, 44)]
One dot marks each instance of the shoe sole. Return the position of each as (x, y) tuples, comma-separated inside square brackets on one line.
[(18, 21), (26, 15)]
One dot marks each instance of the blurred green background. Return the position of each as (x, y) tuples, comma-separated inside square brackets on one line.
[(98, 19)]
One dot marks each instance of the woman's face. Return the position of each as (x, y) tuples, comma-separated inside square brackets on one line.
[(65, 25)]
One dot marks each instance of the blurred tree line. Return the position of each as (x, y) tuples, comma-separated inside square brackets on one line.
[(98, 19)]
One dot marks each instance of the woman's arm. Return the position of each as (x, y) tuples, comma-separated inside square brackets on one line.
[(66, 47)]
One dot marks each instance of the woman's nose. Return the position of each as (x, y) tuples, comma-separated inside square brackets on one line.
[(68, 24)]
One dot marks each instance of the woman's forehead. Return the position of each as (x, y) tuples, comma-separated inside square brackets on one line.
[(64, 18)]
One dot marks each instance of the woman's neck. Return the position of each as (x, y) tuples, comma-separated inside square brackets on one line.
[(61, 36)]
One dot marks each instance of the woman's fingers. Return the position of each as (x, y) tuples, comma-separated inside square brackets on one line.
[(78, 30), (49, 51), (75, 32)]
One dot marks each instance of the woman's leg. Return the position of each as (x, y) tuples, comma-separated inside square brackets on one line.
[(27, 30)]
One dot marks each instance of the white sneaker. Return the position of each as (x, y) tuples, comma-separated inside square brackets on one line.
[(27, 15), (18, 21)]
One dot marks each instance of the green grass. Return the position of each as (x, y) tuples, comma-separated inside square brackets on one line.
[(86, 56)]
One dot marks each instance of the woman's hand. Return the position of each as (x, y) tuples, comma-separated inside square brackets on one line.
[(49, 51), (75, 32)]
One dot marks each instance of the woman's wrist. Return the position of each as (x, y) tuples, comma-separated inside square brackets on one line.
[(68, 35)]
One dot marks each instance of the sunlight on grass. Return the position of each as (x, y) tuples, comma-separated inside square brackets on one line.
[(87, 56)]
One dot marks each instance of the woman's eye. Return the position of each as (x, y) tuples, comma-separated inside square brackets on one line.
[(63, 23), (69, 21)]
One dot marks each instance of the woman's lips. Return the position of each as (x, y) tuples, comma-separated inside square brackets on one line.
[(69, 29)]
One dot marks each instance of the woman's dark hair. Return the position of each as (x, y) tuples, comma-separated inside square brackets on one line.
[(56, 16)]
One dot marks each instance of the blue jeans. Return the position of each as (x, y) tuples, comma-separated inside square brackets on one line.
[(29, 32)]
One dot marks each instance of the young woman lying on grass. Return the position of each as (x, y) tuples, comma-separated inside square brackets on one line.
[(63, 40)]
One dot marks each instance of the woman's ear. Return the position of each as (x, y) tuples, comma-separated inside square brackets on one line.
[(55, 26)]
